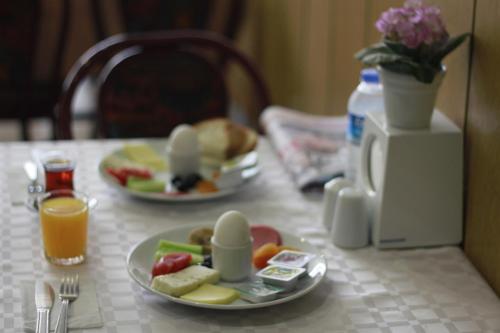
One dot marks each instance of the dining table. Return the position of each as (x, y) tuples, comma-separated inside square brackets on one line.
[(363, 290)]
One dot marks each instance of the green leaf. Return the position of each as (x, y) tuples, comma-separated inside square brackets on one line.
[(448, 47), (399, 48), (378, 58), (374, 49)]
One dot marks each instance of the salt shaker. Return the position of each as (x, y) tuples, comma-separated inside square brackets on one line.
[(331, 191), (350, 219)]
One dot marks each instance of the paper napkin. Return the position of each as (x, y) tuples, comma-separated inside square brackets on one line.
[(83, 312), (17, 184)]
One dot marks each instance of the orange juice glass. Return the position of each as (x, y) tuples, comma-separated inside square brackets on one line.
[(64, 216)]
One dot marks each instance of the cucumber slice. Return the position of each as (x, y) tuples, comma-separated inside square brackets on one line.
[(179, 247), (145, 185)]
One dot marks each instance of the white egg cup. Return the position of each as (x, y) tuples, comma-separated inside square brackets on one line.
[(234, 263), (183, 164)]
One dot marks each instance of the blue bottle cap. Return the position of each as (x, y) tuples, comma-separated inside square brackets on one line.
[(370, 75)]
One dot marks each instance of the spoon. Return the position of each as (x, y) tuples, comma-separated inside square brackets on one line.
[(34, 188), (32, 173)]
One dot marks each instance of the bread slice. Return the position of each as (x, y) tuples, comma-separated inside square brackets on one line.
[(184, 281), (220, 139)]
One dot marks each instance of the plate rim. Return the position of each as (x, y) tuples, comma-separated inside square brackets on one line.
[(247, 306), (161, 197)]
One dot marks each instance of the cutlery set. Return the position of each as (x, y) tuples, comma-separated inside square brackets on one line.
[(44, 299)]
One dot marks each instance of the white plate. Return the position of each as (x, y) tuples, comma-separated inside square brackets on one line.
[(140, 261), (247, 174)]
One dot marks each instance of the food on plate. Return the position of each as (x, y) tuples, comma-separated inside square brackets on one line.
[(180, 247), (171, 263), (232, 230), (145, 155), (202, 236), (206, 186), (207, 261), (220, 139), (166, 247), (184, 281), (232, 246), (264, 253), (281, 276), (263, 234), (183, 153), (122, 174), (211, 294), (291, 258), (258, 292), (185, 183), (145, 185)]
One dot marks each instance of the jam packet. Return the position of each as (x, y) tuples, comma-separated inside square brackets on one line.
[(291, 258)]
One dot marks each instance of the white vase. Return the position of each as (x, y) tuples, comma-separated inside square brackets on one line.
[(409, 103)]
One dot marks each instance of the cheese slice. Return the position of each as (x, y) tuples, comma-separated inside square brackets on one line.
[(210, 294), (145, 155), (184, 281)]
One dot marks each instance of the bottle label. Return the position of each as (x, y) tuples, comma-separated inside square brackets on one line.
[(355, 128)]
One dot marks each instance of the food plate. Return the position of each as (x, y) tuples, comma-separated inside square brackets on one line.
[(140, 261), (246, 165)]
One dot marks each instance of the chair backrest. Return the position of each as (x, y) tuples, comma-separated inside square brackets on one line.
[(153, 81), (149, 92)]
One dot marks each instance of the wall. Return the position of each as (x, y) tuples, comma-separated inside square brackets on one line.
[(482, 242), (306, 50)]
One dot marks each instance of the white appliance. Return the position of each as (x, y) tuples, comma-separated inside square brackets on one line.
[(412, 180)]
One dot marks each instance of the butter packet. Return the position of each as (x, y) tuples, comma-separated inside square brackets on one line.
[(281, 276), (258, 292)]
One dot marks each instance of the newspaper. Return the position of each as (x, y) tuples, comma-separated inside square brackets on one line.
[(311, 147)]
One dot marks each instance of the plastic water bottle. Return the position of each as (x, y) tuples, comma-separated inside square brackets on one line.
[(368, 96)]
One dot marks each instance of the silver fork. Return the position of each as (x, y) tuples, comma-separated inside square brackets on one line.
[(68, 292)]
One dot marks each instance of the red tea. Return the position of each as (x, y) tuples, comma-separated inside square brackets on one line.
[(58, 174)]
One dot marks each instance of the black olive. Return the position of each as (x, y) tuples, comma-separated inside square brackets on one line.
[(207, 261), (186, 183)]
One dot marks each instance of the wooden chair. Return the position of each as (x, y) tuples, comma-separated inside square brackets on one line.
[(22, 96), (153, 81)]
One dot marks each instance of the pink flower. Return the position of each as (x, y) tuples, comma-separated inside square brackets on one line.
[(413, 25)]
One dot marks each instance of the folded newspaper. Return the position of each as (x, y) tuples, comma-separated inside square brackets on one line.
[(311, 147)]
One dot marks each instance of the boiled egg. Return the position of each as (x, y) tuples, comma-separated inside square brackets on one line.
[(232, 230)]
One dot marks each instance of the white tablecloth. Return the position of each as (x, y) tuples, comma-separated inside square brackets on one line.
[(367, 290)]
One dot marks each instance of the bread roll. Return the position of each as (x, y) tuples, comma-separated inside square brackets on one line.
[(220, 139)]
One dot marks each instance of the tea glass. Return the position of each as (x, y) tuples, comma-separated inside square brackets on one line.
[(58, 168), (64, 216)]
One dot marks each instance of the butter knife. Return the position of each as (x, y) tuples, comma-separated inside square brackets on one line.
[(44, 298)]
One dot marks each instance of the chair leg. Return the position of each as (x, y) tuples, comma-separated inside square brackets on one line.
[(25, 130)]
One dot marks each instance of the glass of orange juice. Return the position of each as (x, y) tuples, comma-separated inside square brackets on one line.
[(64, 216)]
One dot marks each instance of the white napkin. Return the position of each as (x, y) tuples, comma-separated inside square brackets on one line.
[(83, 312)]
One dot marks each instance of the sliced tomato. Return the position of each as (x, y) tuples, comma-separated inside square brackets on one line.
[(162, 268), (141, 173), (171, 263), (121, 177), (121, 174)]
